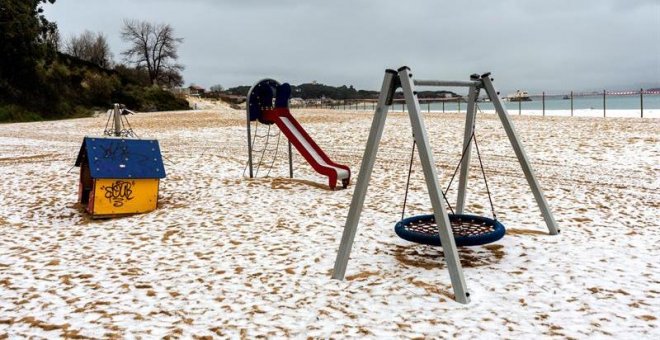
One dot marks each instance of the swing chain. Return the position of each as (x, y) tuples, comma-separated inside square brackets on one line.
[(483, 173), (405, 197), (473, 137)]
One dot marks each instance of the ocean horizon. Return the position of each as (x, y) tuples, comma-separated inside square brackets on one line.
[(590, 105)]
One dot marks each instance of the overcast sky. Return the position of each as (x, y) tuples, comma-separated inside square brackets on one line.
[(533, 44)]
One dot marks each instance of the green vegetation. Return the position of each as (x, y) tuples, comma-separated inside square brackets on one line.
[(37, 82)]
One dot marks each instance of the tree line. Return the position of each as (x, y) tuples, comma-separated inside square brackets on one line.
[(318, 91), (42, 77)]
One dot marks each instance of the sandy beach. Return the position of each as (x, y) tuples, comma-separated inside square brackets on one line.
[(228, 256)]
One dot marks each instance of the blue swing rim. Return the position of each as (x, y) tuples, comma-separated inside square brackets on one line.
[(434, 239)]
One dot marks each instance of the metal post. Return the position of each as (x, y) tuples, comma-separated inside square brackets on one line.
[(117, 120), (459, 105), (467, 138), (290, 161), (249, 132), (571, 103), (446, 83), (435, 192), (641, 102), (443, 106), (428, 106), (249, 139), (522, 157), (519, 107), (604, 106), (368, 160), (543, 101)]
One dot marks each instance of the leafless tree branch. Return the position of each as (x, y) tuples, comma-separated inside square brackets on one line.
[(92, 47), (153, 46)]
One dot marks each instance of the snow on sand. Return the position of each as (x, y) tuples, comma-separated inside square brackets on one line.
[(226, 256)]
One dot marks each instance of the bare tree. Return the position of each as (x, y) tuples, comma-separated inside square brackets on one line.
[(92, 47), (154, 47), (170, 78)]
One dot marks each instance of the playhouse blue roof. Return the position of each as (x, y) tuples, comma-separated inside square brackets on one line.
[(122, 158)]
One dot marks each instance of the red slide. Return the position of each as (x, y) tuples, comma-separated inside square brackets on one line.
[(307, 147)]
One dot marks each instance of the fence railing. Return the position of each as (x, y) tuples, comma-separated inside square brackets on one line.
[(543, 102)]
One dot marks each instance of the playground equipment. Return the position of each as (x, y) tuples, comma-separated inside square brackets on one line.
[(468, 230), (268, 103), (119, 175), (117, 124), (441, 220)]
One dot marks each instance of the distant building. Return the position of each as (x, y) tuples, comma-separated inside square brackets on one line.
[(196, 90)]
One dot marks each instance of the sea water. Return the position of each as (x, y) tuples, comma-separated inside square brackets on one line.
[(651, 104)]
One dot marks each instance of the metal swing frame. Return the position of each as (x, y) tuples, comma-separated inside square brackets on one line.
[(403, 78)]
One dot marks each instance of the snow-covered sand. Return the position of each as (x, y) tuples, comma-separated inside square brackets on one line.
[(226, 256)]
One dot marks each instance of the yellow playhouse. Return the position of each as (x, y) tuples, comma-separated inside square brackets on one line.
[(119, 176)]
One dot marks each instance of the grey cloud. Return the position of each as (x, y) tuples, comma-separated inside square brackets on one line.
[(536, 45)]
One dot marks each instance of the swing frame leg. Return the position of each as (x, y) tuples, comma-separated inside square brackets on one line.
[(404, 77), (368, 160), (470, 119), (425, 154), (521, 155)]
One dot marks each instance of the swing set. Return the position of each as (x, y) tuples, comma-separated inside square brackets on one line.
[(441, 227)]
